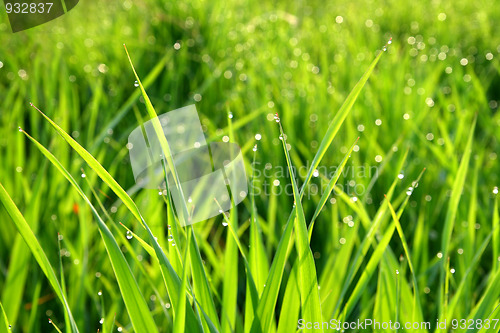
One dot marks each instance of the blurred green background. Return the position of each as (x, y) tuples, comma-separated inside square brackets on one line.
[(252, 58)]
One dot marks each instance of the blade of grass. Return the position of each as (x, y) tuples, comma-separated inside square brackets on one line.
[(172, 280), (269, 296), (36, 249), (199, 275), (457, 189), (416, 299), (306, 271), (329, 189), (138, 311), (4, 321)]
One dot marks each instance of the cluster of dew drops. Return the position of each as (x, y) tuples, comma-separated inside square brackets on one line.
[(389, 42)]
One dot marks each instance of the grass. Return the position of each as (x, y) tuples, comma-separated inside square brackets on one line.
[(361, 232)]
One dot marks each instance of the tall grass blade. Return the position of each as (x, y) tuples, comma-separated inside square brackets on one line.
[(29, 237), (138, 311)]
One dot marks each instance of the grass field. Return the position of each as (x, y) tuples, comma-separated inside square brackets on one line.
[(410, 232)]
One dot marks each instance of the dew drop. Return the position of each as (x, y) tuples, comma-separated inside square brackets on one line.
[(169, 227), (129, 235), (99, 293), (495, 190), (173, 243), (101, 321), (224, 223), (281, 137), (397, 271), (385, 48), (230, 115), (401, 175), (20, 129), (190, 200), (410, 191), (50, 321), (83, 175), (221, 211), (254, 148), (10, 327), (136, 84), (170, 238)]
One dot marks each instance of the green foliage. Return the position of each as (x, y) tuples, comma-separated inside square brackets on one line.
[(359, 232)]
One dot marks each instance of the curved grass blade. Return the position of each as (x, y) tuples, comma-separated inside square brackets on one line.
[(199, 275), (339, 118), (172, 280), (329, 189), (37, 251), (365, 243), (138, 311), (416, 299), (262, 320)]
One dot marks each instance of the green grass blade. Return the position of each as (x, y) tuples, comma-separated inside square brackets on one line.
[(290, 309), (36, 249), (339, 118), (451, 212), (200, 280), (180, 319), (270, 294), (306, 271), (416, 299), (138, 311), (365, 243), (172, 280), (257, 260), (329, 189), (230, 282), (4, 321), (496, 236)]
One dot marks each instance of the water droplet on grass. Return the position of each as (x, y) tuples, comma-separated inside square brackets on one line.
[(401, 175), (410, 191), (230, 115), (101, 321), (99, 293), (224, 223), (495, 190), (129, 235), (170, 238), (254, 148), (136, 84), (397, 272)]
